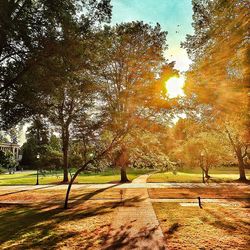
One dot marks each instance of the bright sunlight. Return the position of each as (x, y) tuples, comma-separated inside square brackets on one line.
[(175, 86)]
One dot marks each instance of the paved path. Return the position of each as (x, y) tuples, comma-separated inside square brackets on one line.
[(134, 184), (135, 224), (141, 179)]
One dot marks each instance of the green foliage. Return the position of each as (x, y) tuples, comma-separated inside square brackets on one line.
[(55, 143), (51, 159), (2, 170), (29, 153), (50, 154), (7, 160), (33, 35), (3, 138), (132, 59), (39, 143), (130, 88)]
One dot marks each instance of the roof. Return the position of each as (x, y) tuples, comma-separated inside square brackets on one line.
[(9, 145)]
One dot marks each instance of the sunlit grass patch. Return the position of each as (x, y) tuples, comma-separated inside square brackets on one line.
[(210, 192), (196, 177), (29, 178), (213, 227)]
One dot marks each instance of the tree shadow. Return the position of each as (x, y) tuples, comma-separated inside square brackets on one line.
[(221, 221), (232, 193), (26, 190), (36, 227), (123, 238), (81, 198)]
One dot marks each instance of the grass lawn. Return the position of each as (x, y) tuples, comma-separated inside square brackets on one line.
[(45, 195), (23, 178), (85, 226), (41, 224), (213, 227), (219, 175), (219, 192)]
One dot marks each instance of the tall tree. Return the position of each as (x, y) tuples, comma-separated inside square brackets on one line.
[(60, 80), (37, 140), (133, 61), (218, 80)]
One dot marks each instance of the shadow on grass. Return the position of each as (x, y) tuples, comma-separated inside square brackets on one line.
[(47, 227), (81, 198), (221, 192), (223, 220), (26, 190)]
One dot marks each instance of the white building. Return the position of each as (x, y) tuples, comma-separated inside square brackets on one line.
[(11, 147)]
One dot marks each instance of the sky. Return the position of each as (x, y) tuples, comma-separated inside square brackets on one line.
[(174, 16)]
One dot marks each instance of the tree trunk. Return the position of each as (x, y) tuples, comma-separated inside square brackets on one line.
[(206, 174), (241, 166), (240, 158), (124, 177), (65, 149), (69, 188), (81, 169), (65, 165)]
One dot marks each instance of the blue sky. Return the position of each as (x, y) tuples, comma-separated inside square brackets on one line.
[(169, 13)]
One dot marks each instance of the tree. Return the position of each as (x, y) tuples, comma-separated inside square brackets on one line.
[(7, 160), (197, 144), (3, 138), (37, 141), (218, 80), (238, 138), (62, 73), (101, 151), (129, 69)]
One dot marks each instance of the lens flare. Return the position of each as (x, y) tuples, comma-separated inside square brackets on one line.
[(175, 86)]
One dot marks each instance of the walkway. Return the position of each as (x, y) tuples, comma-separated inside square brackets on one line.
[(135, 184), (141, 179), (137, 221)]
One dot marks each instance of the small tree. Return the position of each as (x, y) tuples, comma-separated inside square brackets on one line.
[(206, 150), (37, 140), (7, 160), (100, 152)]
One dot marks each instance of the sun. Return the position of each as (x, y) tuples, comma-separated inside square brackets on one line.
[(175, 86)]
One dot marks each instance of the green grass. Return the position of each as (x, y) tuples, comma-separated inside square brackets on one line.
[(217, 175), (29, 178)]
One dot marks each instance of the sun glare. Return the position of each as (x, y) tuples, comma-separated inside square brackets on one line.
[(175, 86)]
